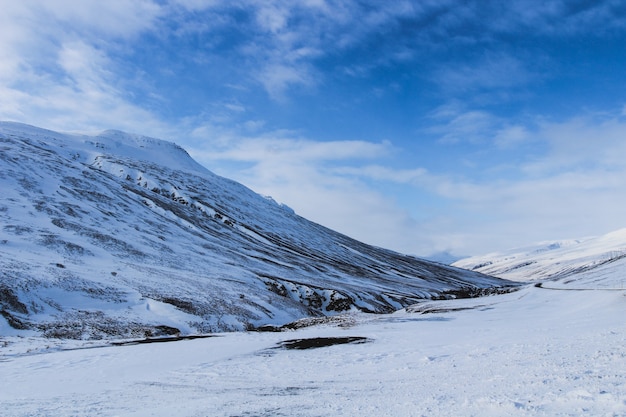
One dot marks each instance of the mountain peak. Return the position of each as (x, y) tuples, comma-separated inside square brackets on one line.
[(112, 143), (139, 147)]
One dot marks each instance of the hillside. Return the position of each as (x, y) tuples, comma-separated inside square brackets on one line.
[(551, 260), (119, 235)]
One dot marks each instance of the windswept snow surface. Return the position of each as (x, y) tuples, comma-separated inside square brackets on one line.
[(119, 235), (550, 260), (534, 352)]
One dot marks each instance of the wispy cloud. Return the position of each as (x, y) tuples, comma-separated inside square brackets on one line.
[(60, 70), (455, 123), (470, 126), (586, 142), (491, 72), (578, 184), (269, 149), (279, 78)]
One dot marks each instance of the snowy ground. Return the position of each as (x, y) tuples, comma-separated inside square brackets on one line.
[(533, 352)]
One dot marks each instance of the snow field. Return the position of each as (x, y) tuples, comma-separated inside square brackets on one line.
[(529, 353)]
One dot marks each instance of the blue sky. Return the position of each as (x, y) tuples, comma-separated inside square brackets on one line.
[(421, 126)]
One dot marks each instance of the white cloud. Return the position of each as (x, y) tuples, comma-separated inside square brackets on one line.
[(86, 66), (112, 18), (197, 5), (473, 126), (271, 17), (492, 71), (454, 123), (416, 176), (511, 136), (57, 71), (278, 78), (274, 147), (576, 187), (582, 143)]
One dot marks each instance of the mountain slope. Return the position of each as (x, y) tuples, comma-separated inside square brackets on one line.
[(552, 260), (119, 235)]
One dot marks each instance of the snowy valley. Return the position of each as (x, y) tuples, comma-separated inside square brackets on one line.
[(533, 352), (108, 240)]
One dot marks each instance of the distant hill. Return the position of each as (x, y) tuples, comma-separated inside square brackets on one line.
[(551, 260)]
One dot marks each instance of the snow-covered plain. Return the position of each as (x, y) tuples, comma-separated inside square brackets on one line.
[(534, 352)]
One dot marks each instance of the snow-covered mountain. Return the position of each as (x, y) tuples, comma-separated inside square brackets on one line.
[(119, 235), (554, 260)]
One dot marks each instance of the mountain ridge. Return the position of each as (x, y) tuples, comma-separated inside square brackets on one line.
[(120, 235)]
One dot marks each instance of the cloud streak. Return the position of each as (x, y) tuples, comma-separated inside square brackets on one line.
[(60, 69)]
